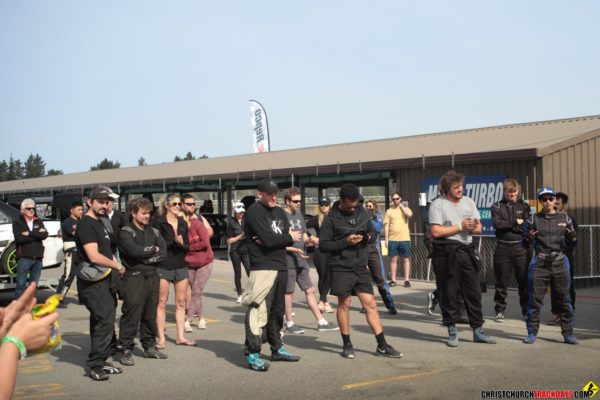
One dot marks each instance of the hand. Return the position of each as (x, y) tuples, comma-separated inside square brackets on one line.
[(301, 254), (313, 241), (33, 333), (122, 271), (25, 233), (469, 224), (520, 221), (386, 243), (179, 240), (296, 235), (16, 309), (354, 239), (156, 249), (42, 230)]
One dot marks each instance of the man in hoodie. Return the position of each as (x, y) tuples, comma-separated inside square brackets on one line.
[(345, 233), (268, 234), (29, 232)]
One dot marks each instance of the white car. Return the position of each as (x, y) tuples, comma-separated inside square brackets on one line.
[(53, 246)]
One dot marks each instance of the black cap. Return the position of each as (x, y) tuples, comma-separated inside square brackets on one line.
[(267, 186), (324, 201), (102, 192)]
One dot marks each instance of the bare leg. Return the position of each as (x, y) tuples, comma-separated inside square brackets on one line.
[(312, 303), (289, 297), (343, 314), (406, 266), (370, 305), (163, 297), (181, 288), (393, 268)]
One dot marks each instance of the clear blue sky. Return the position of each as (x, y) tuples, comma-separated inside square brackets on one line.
[(85, 80)]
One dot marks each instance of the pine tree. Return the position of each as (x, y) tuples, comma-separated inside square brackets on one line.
[(106, 164), (35, 166)]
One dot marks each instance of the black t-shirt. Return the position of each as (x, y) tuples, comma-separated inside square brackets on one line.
[(68, 227), (234, 228), (91, 230)]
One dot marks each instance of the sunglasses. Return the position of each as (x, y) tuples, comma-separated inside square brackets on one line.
[(296, 201), (189, 204), (369, 207), (547, 199), (29, 208), (395, 198), (178, 204)]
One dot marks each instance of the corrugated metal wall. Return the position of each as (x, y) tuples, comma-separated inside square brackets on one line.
[(409, 181), (574, 170)]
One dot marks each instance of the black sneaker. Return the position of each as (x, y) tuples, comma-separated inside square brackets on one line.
[(111, 369), (153, 352), (283, 355), (406, 284), (392, 310), (348, 351), (127, 358), (97, 373), (387, 351)]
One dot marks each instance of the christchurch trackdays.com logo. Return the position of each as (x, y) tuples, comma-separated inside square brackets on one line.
[(588, 391)]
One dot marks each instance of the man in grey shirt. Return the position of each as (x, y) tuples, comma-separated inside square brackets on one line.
[(298, 268), (454, 218)]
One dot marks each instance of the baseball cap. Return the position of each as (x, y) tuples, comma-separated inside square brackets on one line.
[(546, 190), (102, 192), (239, 207), (324, 201), (267, 186)]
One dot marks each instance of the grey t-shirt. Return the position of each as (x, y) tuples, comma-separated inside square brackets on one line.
[(443, 212), (297, 224)]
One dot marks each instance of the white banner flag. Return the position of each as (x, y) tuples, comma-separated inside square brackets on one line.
[(260, 127)]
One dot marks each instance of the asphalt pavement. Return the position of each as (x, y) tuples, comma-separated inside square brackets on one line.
[(216, 369)]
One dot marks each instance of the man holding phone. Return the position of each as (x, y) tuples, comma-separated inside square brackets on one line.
[(344, 235), (454, 219)]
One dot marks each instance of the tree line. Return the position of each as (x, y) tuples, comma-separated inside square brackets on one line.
[(35, 166)]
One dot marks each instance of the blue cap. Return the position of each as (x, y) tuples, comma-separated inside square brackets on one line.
[(546, 190)]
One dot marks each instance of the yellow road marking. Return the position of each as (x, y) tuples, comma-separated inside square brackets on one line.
[(44, 390), (390, 379)]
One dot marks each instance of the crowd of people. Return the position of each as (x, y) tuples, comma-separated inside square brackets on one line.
[(138, 257)]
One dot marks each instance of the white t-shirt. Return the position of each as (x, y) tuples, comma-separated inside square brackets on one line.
[(443, 212)]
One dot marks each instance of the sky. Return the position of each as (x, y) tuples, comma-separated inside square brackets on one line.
[(81, 81)]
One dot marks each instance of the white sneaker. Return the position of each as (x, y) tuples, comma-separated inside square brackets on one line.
[(187, 327), (202, 323), (239, 299)]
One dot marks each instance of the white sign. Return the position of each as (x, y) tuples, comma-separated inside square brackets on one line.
[(260, 128)]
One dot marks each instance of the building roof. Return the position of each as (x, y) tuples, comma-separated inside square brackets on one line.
[(525, 140)]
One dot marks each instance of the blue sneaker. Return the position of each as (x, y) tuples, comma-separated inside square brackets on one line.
[(256, 363), (530, 339), (570, 339), (283, 355), (452, 336), (479, 336)]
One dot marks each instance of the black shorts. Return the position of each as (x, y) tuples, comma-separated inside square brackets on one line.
[(348, 283)]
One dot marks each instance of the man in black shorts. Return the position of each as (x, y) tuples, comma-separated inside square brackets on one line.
[(93, 281), (344, 234)]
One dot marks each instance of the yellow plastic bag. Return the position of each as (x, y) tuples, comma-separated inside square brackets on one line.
[(384, 249), (39, 311)]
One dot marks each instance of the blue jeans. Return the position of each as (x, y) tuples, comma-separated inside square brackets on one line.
[(27, 266)]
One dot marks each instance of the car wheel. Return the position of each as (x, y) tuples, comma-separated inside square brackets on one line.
[(8, 261)]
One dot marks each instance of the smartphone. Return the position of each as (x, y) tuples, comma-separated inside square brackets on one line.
[(364, 234)]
